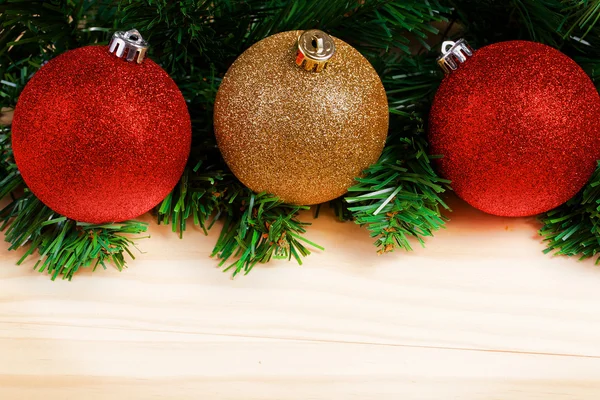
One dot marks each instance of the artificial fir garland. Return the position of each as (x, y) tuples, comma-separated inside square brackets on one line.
[(397, 198)]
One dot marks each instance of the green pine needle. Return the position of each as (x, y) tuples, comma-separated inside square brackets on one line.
[(583, 16)]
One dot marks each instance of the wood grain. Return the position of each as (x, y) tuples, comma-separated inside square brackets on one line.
[(480, 313)]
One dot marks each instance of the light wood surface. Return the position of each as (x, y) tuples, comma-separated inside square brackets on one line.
[(480, 313)]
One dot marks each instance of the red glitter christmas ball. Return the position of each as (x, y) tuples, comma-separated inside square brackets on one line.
[(518, 127), (100, 139)]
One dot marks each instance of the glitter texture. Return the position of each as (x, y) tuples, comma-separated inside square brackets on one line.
[(303, 136), (517, 126), (99, 139)]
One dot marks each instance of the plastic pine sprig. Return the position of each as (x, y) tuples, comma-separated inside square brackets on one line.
[(255, 227), (10, 178), (196, 197), (260, 227), (573, 229), (64, 246), (398, 197)]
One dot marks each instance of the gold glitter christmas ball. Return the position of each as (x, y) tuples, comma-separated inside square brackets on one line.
[(300, 115)]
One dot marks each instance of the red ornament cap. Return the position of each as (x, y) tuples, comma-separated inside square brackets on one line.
[(129, 44), (454, 54)]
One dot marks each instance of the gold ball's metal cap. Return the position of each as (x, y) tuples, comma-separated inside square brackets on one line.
[(130, 43), (454, 54), (315, 49)]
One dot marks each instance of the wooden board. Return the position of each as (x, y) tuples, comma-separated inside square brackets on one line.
[(480, 313)]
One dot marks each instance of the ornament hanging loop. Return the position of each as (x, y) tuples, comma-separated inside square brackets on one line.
[(315, 49), (129, 44), (454, 54)]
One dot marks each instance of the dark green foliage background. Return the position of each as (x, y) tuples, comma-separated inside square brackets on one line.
[(196, 41)]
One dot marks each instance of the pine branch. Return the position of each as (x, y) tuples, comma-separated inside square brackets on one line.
[(399, 196), (259, 227), (187, 35), (490, 21), (10, 178), (52, 27), (582, 16), (63, 245), (15, 78), (573, 229), (196, 196), (373, 26), (340, 210), (410, 86), (256, 227), (581, 31)]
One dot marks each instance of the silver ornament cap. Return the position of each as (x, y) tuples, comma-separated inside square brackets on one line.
[(315, 49), (129, 44), (454, 54)]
